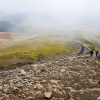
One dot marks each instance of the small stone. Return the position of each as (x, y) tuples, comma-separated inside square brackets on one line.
[(22, 72), (5, 85), (38, 86), (73, 91), (47, 95), (44, 81), (28, 76), (98, 98), (53, 81), (62, 70)]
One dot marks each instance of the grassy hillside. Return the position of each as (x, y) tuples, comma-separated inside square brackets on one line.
[(31, 49), (92, 41)]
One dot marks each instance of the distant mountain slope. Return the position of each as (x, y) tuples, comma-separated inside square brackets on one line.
[(9, 27), (6, 27), (6, 37)]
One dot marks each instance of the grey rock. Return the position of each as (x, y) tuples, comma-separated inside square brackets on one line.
[(23, 72), (38, 86), (47, 95)]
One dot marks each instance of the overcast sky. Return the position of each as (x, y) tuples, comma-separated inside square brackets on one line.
[(54, 14)]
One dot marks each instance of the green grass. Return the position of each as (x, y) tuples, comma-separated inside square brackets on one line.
[(83, 38), (29, 50), (32, 48)]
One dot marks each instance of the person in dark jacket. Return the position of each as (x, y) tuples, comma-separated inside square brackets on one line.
[(91, 53)]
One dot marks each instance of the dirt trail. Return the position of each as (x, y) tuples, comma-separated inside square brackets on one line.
[(67, 77)]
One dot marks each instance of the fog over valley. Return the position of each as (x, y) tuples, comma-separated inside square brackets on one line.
[(39, 16)]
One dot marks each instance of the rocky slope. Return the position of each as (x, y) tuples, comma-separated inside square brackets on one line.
[(67, 77)]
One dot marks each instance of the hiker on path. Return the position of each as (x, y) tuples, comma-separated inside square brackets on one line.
[(96, 53), (91, 53)]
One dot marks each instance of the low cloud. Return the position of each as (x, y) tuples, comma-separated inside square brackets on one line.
[(35, 16)]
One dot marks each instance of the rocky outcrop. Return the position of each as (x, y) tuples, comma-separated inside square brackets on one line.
[(67, 77)]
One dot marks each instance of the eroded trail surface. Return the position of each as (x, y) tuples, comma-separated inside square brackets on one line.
[(67, 77)]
